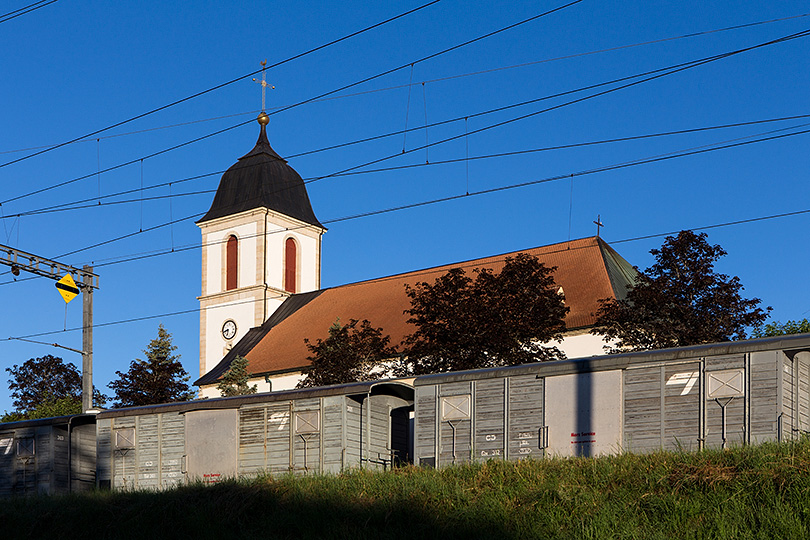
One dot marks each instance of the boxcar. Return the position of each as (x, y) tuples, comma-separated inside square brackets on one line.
[(686, 398), (48, 456), (319, 430)]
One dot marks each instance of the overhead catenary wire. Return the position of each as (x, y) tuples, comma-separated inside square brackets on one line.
[(650, 75), (24, 10), (222, 85), (80, 204), (666, 72), (429, 271), (653, 159), (282, 109), (435, 80), (612, 167)]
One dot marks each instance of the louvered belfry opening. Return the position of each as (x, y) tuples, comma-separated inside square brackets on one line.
[(232, 263), (290, 256)]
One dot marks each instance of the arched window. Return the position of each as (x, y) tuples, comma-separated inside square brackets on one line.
[(290, 258), (231, 263)]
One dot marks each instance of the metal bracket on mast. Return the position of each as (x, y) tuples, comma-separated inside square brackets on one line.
[(86, 281), (22, 260)]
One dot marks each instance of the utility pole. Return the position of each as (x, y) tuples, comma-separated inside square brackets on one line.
[(87, 281)]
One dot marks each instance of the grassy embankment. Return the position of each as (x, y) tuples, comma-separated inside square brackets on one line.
[(750, 492)]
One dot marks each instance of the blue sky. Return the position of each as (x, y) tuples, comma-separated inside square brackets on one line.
[(73, 67)]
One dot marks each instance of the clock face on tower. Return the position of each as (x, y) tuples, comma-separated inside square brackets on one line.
[(229, 329)]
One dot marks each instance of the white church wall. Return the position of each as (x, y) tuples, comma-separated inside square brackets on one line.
[(287, 381), (583, 344), (308, 261), (216, 247), (241, 311)]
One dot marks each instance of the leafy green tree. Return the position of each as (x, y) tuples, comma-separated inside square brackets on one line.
[(46, 386), (158, 379), (776, 328), (679, 301), (39, 380), (235, 380), (350, 353), (493, 320)]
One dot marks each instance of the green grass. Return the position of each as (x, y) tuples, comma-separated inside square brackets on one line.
[(747, 492)]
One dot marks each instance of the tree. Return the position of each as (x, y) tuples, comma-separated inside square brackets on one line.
[(43, 379), (235, 380), (776, 328), (46, 386), (158, 379), (679, 301), (347, 355), (492, 320)]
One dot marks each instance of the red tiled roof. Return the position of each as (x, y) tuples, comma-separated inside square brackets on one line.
[(587, 270)]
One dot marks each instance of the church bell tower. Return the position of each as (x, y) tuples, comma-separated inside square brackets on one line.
[(261, 243)]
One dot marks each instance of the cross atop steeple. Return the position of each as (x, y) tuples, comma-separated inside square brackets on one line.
[(264, 83), (598, 224)]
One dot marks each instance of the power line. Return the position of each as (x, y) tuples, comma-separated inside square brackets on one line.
[(439, 79), (642, 161), (678, 68), (662, 73), (345, 87), (222, 85), (428, 271), (23, 10), (651, 75), (73, 205), (654, 74)]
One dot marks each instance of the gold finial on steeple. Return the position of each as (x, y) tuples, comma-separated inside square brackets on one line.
[(263, 118)]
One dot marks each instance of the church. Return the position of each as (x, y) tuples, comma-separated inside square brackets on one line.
[(261, 293)]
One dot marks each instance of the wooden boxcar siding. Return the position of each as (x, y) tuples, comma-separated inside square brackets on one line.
[(377, 425), (334, 433), (794, 412), (680, 427), (264, 439), (124, 461), (425, 407), (279, 437), (455, 437), (802, 370), (172, 449), (526, 417), (307, 447), (660, 415), (489, 419), (506, 421), (643, 408), (83, 458), (46, 471), (352, 431), (252, 440), (736, 409), (104, 453), (7, 458), (763, 378), (156, 460)]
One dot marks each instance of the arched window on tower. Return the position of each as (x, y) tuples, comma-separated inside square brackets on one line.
[(231, 263), (290, 266)]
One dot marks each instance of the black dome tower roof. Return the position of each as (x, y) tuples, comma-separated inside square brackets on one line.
[(262, 179)]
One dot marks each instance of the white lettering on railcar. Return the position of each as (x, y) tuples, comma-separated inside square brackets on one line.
[(686, 379)]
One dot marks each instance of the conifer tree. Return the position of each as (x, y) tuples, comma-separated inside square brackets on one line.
[(235, 380), (158, 379)]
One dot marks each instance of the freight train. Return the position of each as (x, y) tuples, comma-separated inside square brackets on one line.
[(689, 398)]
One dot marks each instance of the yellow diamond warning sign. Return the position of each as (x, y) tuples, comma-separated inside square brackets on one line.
[(67, 288)]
